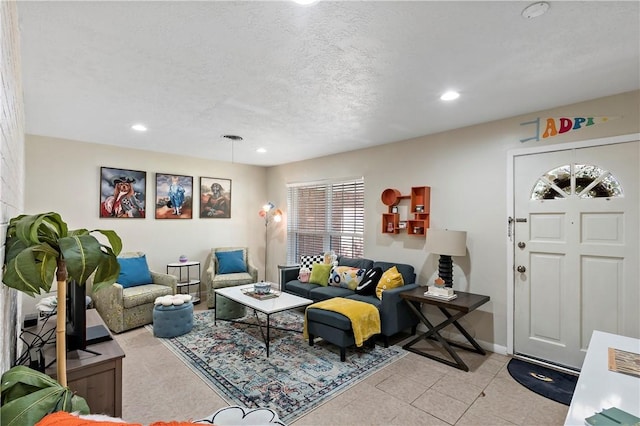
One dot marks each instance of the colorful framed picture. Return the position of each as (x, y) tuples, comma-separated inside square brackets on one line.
[(174, 196), (215, 198), (122, 193)]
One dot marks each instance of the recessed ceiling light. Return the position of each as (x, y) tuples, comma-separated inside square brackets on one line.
[(305, 2), (536, 9), (139, 127), (261, 150), (450, 95)]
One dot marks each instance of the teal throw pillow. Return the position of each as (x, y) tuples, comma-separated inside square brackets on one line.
[(320, 273), (134, 271), (230, 262)]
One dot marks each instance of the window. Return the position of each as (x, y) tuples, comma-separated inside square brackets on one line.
[(325, 216), (582, 180)]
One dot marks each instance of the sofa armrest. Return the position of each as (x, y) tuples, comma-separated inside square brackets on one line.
[(108, 301), (165, 279), (395, 314), (253, 271), (289, 274)]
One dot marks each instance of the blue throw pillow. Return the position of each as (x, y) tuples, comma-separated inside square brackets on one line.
[(230, 262), (134, 271)]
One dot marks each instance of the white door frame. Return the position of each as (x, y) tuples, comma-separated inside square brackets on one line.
[(511, 154)]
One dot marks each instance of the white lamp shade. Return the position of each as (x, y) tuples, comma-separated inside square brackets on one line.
[(443, 241)]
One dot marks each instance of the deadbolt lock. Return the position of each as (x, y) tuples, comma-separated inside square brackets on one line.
[(521, 269)]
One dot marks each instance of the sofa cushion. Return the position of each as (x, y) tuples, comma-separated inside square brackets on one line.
[(320, 274), (231, 262), (369, 282), (407, 271), (360, 262), (308, 261), (143, 294), (323, 293), (346, 277), (372, 298), (300, 289), (391, 278), (134, 271)]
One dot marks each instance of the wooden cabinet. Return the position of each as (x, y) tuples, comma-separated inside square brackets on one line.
[(97, 375), (419, 209)]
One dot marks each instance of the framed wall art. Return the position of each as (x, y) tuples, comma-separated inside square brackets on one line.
[(174, 196), (122, 193), (215, 198)]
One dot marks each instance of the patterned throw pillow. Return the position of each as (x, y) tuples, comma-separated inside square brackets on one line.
[(320, 274), (346, 277), (308, 261), (367, 286), (390, 279)]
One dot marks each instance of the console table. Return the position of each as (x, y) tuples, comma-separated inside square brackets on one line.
[(96, 378), (462, 305)]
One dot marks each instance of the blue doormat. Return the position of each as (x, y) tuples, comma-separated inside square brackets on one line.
[(544, 381)]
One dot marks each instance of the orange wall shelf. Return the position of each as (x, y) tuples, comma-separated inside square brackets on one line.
[(420, 201)]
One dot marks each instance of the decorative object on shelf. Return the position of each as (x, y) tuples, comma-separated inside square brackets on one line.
[(419, 208), (394, 209), (183, 258), (402, 224), (215, 198), (122, 193), (446, 243), (174, 196), (270, 214)]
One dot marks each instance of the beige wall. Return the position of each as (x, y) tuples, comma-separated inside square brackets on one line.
[(467, 172), (63, 176)]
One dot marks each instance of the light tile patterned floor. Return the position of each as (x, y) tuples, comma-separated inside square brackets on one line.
[(412, 391)]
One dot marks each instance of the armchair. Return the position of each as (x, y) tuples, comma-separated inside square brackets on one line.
[(219, 275), (127, 306)]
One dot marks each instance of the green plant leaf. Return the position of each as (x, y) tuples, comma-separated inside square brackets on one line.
[(114, 240), (82, 254), (28, 274), (29, 395), (108, 271)]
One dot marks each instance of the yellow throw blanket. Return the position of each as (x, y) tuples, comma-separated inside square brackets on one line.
[(365, 318)]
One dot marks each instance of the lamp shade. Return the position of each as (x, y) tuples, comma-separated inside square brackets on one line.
[(449, 243)]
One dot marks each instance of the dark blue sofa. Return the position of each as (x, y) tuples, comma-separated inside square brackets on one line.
[(395, 315)]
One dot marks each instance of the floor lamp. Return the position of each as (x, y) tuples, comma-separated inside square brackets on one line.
[(446, 243), (270, 213)]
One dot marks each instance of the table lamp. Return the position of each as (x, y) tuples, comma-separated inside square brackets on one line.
[(446, 243)]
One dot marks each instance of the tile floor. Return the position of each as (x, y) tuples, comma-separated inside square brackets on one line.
[(412, 391)]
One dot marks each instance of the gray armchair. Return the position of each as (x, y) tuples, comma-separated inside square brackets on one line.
[(214, 279), (126, 308)]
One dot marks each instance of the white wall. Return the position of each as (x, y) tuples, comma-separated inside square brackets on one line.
[(466, 170), (11, 168), (63, 176)]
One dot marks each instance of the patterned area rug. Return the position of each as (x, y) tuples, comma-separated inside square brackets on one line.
[(231, 359)]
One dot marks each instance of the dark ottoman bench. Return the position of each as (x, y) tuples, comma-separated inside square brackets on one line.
[(333, 327)]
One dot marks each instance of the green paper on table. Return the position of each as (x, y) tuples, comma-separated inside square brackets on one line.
[(612, 416)]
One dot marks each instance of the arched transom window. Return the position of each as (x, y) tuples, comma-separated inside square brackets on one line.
[(579, 180)]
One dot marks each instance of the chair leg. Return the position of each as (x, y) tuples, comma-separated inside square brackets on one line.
[(414, 329), (310, 340), (343, 354), (385, 338)]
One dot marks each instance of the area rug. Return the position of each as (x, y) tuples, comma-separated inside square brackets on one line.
[(544, 381), (294, 379)]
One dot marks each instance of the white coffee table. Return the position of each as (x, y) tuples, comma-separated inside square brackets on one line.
[(284, 302)]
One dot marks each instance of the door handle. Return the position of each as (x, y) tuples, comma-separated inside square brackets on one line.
[(521, 269), (521, 244)]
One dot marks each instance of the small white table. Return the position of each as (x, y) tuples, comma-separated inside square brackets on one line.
[(187, 282), (283, 302), (598, 388)]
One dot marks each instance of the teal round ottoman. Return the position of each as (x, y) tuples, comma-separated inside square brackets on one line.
[(172, 320)]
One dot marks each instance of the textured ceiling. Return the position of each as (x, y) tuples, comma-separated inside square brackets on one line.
[(304, 82)]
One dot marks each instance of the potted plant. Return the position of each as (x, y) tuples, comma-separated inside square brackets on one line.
[(39, 247)]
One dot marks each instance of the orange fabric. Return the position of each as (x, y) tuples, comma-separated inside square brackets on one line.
[(62, 418)]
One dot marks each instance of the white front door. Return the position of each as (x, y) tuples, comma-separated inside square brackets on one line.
[(575, 249)]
